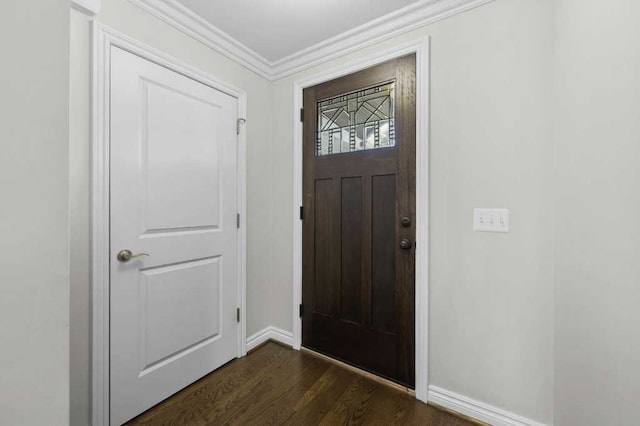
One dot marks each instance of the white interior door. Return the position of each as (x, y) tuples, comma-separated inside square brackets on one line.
[(174, 197)]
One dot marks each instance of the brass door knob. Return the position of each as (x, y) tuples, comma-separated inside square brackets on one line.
[(126, 255), (405, 244)]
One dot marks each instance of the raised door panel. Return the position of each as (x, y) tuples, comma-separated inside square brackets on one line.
[(180, 310), (352, 213), (383, 251), (180, 159), (326, 250)]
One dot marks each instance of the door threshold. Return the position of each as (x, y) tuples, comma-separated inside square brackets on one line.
[(359, 371)]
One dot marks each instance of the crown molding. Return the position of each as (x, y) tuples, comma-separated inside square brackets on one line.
[(378, 30), (90, 7), (185, 20), (401, 21)]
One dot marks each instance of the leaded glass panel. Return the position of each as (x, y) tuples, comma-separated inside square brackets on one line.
[(356, 121)]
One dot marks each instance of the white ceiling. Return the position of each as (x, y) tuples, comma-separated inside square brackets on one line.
[(276, 29)]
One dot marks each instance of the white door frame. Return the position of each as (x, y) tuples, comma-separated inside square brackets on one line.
[(103, 39), (421, 48)]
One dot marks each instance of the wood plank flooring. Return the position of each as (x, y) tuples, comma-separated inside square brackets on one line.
[(274, 385)]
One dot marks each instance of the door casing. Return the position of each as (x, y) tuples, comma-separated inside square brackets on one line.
[(420, 47), (104, 38)]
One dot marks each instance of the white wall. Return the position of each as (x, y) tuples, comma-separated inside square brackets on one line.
[(129, 19), (597, 207), (34, 269), (491, 307)]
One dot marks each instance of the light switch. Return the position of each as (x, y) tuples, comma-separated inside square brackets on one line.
[(491, 220)]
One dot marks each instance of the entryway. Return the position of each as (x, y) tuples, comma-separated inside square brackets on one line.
[(359, 219)]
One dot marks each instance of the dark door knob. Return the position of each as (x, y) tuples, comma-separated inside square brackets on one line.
[(405, 244), (405, 222)]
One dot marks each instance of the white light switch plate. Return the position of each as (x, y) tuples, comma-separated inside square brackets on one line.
[(491, 220)]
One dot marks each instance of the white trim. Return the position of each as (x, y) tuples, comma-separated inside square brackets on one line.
[(401, 21), (269, 333), (421, 48), (103, 39), (90, 7), (100, 229), (182, 18), (476, 409), (242, 210)]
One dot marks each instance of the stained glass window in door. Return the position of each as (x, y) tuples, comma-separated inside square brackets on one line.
[(356, 121)]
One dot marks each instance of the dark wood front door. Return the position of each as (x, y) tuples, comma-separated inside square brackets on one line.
[(359, 219)]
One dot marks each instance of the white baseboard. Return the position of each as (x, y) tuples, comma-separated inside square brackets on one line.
[(270, 333), (476, 409)]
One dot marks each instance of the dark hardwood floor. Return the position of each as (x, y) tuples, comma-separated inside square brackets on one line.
[(275, 385)]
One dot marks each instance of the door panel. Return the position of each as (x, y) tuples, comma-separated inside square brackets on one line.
[(185, 135), (173, 197), (192, 291), (383, 248), (359, 181), (351, 241)]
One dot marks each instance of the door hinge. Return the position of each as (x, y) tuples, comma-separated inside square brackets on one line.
[(301, 213), (238, 314), (302, 114), (301, 310), (239, 122), (238, 220)]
